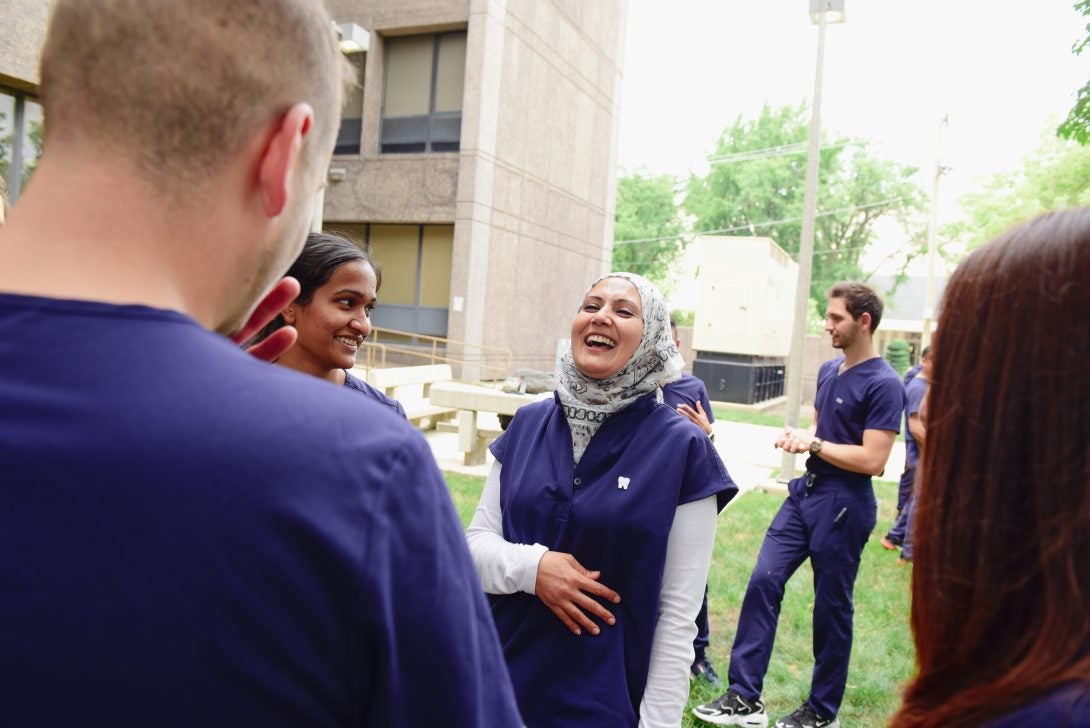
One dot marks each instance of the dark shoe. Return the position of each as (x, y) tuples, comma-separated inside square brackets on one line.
[(732, 709), (703, 670), (807, 717)]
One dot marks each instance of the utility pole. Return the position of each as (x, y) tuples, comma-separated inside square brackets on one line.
[(818, 9)]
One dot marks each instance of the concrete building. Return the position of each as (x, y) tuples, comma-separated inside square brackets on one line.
[(477, 157), (478, 160)]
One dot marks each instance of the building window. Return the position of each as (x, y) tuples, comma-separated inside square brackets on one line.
[(422, 93), (416, 267), (20, 139), (348, 137)]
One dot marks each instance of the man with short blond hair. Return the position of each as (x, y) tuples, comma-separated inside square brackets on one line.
[(189, 536)]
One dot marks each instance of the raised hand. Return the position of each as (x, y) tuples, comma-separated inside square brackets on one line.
[(698, 416), (273, 347)]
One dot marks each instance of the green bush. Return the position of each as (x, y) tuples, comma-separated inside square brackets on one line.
[(897, 355)]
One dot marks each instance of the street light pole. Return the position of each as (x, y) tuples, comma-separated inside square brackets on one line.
[(818, 12), (932, 234)]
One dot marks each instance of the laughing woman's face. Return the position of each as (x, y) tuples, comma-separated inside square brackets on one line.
[(607, 329)]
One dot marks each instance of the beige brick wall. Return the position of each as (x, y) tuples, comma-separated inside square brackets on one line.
[(531, 193), (22, 31)]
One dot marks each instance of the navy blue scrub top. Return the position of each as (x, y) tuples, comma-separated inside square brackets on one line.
[(915, 392), (368, 391), (869, 396), (688, 390), (613, 512), (1068, 707)]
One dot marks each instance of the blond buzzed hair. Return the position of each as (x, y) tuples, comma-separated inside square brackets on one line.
[(177, 87)]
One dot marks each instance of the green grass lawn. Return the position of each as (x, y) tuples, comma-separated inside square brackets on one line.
[(754, 418), (766, 418), (882, 656)]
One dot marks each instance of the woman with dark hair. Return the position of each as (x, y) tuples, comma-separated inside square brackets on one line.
[(1001, 583), (332, 313), (595, 526)]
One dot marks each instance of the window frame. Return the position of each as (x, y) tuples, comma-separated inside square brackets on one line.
[(429, 121)]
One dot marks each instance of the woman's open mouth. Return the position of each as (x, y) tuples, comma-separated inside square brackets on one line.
[(597, 341)]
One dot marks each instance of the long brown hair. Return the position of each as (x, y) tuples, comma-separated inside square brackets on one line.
[(1001, 582)]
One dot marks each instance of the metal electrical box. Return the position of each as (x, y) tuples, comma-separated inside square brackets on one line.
[(745, 299)]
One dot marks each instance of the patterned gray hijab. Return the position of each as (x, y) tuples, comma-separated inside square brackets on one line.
[(656, 361)]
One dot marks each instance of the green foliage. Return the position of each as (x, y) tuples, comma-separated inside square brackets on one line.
[(684, 316), (1076, 126), (35, 135), (762, 194), (882, 655), (5, 147), (646, 213), (897, 354), (1055, 176)]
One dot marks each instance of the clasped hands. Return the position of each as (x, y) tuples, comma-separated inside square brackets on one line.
[(568, 589), (796, 440)]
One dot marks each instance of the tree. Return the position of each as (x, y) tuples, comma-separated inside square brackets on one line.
[(1076, 126), (756, 187), (1056, 175), (647, 230)]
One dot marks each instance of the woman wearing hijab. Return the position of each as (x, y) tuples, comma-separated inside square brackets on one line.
[(595, 527)]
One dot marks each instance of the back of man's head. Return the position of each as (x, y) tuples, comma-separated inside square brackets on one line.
[(176, 88)]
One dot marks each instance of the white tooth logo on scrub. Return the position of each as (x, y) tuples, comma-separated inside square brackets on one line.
[(622, 483)]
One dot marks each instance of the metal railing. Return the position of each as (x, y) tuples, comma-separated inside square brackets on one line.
[(493, 362)]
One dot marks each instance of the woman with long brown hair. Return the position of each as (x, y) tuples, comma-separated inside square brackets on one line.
[(1001, 587)]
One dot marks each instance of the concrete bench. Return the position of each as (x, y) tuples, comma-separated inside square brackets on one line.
[(412, 387), (470, 400)]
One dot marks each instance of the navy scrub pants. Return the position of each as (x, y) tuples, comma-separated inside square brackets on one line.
[(703, 633), (828, 523)]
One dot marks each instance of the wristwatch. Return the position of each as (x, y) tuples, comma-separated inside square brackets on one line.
[(815, 445)]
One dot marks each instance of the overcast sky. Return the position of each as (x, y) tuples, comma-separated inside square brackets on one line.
[(999, 68)]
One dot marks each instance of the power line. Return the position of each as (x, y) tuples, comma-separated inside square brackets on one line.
[(780, 151), (829, 251), (770, 223)]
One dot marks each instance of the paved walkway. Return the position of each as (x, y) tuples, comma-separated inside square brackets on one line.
[(746, 450)]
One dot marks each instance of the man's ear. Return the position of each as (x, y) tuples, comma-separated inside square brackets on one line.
[(289, 315), (865, 318), (282, 157)]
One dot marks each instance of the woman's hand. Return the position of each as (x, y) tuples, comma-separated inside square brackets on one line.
[(697, 416), (565, 588)]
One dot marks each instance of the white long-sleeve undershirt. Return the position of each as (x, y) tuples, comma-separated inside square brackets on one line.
[(506, 568)]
